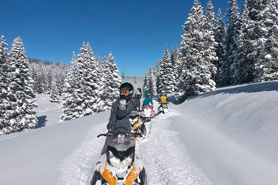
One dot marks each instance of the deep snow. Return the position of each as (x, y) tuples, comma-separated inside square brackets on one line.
[(226, 137)]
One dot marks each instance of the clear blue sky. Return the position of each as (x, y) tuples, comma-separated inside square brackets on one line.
[(136, 31)]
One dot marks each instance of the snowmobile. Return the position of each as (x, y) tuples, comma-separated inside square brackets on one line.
[(147, 112), (137, 124), (120, 165), (163, 108)]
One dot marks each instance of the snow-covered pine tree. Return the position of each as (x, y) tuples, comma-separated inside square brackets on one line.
[(166, 74), (146, 83), (54, 94), (197, 68), (231, 44), (176, 63), (21, 112), (111, 81), (151, 85), (270, 71), (92, 81), (209, 39), (73, 92), (4, 102), (243, 68), (264, 18), (219, 35), (60, 76), (158, 77)]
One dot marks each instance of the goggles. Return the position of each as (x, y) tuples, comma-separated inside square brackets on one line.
[(124, 92)]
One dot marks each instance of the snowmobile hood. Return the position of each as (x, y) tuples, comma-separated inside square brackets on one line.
[(122, 144)]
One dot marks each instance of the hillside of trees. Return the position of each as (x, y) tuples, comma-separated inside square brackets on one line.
[(214, 54)]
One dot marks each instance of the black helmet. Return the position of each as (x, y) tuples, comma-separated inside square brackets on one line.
[(126, 90)]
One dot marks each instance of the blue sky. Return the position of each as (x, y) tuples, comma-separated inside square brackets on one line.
[(136, 31)]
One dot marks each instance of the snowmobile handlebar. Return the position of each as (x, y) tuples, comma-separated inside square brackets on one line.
[(115, 133)]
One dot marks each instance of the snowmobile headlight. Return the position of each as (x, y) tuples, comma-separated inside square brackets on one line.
[(127, 161), (114, 161)]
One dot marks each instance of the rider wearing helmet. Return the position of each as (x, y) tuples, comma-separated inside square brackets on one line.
[(120, 113), (163, 98), (121, 109), (148, 99)]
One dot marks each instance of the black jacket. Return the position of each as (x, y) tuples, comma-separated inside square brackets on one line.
[(119, 119)]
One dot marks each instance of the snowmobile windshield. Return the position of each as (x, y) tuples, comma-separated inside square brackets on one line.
[(122, 143)]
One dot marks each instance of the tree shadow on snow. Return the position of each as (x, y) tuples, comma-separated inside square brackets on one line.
[(41, 121), (247, 88)]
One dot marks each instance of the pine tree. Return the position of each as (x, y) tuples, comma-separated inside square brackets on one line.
[(243, 68), (231, 44), (146, 83), (72, 92), (158, 78), (209, 50), (4, 102), (176, 63), (166, 73), (54, 94), (92, 81), (20, 93), (112, 82), (151, 80), (219, 34), (264, 17), (197, 65), (270, 70)]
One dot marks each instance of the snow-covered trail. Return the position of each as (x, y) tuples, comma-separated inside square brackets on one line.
[(164, 157), (77, 168)]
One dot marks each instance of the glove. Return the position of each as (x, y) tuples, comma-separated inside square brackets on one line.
[(122, 104), (110, 127)]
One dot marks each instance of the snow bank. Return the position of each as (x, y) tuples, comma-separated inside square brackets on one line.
[(36, 157), (232, 133)]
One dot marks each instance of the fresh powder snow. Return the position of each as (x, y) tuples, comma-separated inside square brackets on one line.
[(228, 136)]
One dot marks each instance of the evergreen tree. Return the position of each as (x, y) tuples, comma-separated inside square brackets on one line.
[(219, 34), (243, 68), (92, 80), (112, 82), (231, 44), (209, 50), (151, 80), (264, 18), (72, 92), (176, 63), (20, 94), (197, 59), (166, 73), (54, 94), (146, 83), (158, 77), (4, 102)]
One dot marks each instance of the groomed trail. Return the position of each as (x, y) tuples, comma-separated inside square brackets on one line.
[(162, 154)]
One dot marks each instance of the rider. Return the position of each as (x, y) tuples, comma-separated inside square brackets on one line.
[(137, 98), (148, 99), (162, 100), (120, 112)]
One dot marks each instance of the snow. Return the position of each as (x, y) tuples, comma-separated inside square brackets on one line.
[(48, 113), (268, 56), (228, 137)]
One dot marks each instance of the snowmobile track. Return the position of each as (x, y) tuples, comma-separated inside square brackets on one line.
[(77, 168), (164, 160)]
